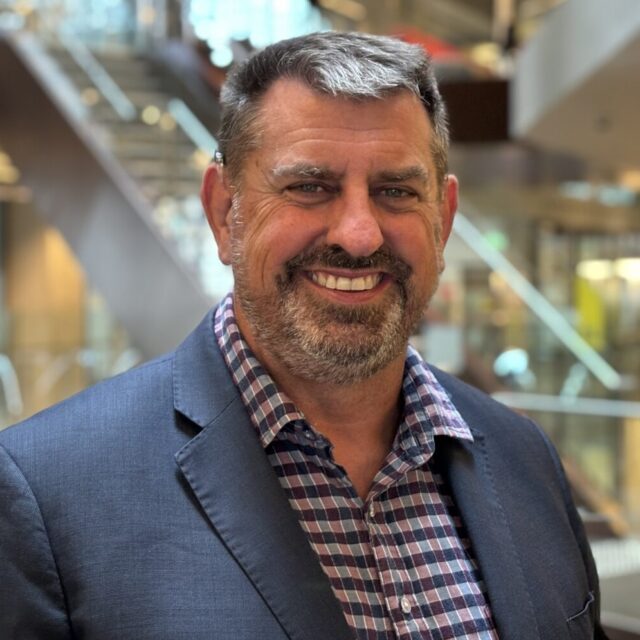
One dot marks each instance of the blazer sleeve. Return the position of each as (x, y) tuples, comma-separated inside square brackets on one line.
[(32, 602)]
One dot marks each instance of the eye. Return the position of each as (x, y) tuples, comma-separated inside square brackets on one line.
[(309, 192), (396, 192), (396, 198), (307, 187)]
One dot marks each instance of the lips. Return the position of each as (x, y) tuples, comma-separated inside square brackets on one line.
[(343, 283), (332, 268)]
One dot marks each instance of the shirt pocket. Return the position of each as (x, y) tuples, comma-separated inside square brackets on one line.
[(581, 624)]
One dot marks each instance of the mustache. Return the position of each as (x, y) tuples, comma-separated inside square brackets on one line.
[(335, 256)]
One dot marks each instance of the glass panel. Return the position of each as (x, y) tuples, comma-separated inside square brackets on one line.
[(572, 367), (57, 335)]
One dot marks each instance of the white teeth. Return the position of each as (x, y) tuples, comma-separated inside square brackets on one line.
[(342, 283)]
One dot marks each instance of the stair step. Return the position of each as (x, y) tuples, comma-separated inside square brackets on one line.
[(138, 131), (164, 170), (148, 149), (157, 189)]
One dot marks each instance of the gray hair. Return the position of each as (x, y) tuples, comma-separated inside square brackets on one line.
[(351, 65)]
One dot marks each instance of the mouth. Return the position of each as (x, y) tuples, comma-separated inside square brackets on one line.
[(346, 283)]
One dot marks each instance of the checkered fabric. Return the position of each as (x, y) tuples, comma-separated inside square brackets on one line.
[(399, 563)]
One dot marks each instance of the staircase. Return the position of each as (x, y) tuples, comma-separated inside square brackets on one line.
[(114, 159)]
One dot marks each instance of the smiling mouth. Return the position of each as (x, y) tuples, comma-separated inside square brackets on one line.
[(343, 283)]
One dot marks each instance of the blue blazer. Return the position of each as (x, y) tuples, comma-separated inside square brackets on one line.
[(145, 509)]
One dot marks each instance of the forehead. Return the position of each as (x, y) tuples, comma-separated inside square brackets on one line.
[(295, 121)]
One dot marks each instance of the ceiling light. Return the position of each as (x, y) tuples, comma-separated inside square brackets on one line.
[(9, 174), (595, 269), (167, 123), (151, 115), (628, 268), (630, 179)]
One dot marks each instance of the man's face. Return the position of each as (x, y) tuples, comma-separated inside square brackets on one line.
[(336, 232)]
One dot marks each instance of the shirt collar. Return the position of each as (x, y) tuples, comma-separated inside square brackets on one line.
[(428, 410)]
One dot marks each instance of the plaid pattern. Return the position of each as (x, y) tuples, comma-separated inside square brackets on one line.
[(400, 563)]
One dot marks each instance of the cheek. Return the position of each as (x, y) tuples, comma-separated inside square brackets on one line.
[(415, 241), (271, 236)]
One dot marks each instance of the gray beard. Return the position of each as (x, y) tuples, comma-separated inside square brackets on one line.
[(325, 342)]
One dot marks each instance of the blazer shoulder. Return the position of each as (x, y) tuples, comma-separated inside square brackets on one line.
[(129, 396)]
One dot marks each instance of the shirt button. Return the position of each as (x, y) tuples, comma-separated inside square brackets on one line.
[(405, 604), (372, 510)]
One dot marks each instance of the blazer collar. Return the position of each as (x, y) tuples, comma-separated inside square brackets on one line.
[(232, 479), (466, 468), (202, 388)]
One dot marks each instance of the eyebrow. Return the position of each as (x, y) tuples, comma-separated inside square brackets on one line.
[(304, 170), (402, 175)]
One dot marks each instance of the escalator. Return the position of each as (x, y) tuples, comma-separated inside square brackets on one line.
[(114, 160)]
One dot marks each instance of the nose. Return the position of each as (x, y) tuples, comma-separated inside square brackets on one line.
[(354, 225)]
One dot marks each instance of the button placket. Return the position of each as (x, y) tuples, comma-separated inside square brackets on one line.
[(372, 510)]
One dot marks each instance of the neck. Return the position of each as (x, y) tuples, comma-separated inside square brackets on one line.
[(359, 419), (367, 408)]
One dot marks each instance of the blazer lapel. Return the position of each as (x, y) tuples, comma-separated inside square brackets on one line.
[(232, 479), (466, 468)]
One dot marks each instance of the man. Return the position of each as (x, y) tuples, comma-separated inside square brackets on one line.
[(293, 470)]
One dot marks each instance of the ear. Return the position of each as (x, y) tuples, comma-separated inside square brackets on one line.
[(448, 206), (216, 200)]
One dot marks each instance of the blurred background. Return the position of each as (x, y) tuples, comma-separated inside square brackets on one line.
[(108, 115)]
